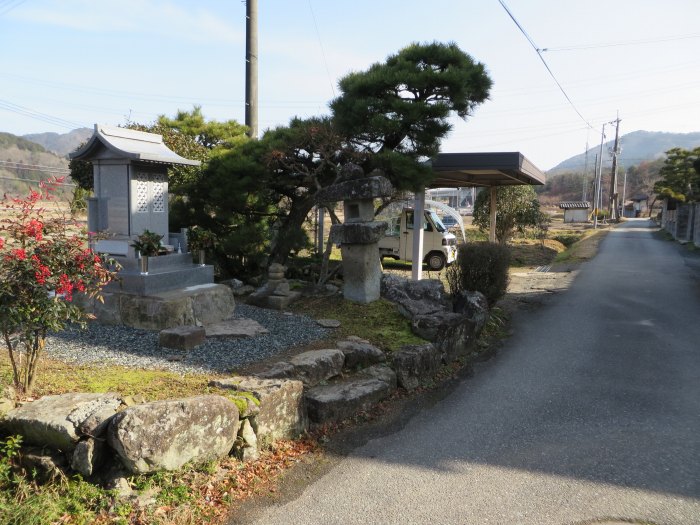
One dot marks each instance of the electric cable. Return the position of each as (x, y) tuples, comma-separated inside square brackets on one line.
[(9, 6), (323, 53), (624, 43), (539, 54)]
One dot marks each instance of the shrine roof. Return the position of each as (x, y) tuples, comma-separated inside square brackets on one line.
[(129, 144)]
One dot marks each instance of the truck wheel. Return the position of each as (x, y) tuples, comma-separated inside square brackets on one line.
[(436, 261)]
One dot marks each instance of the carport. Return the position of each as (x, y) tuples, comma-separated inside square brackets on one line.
[(460, 170)]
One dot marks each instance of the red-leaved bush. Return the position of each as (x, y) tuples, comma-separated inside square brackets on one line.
[(44, 262)]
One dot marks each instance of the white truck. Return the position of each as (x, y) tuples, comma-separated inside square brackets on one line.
[(439, 246)]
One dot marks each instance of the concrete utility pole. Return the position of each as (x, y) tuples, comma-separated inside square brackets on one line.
[(613, 202), (599, 173), (624, 191), (251, 67), (585, 175)]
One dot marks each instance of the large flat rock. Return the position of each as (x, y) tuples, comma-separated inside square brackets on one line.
[(59, 421), (318, 365), (326, 403), (382, 371), (412, 298), (280, 413), (360, 354), (241, 327), (164, 435), (182, 337)]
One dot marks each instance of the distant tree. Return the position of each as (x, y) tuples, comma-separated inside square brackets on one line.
[(398, 110), (680, 178), (208, 133), (191, 136), (642, 177), (563, 187), (518, 208), (81, 172)]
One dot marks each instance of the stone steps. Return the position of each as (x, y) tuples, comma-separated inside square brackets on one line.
[(338, 382), (341, 400)]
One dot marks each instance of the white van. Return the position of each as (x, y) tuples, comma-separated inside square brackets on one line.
[(439, 246)]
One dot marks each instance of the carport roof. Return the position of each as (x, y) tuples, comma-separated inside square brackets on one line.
[(455, 170)]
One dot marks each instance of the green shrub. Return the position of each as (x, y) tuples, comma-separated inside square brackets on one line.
[(481, 267)]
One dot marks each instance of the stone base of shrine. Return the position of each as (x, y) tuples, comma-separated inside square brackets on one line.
[(197, 305), (165, 273)]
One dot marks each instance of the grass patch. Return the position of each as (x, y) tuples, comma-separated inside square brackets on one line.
[(72, 501), (379, 321), (583, 249), (566, 238), (57, 377), (533, 253)]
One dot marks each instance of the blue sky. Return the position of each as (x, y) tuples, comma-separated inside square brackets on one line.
[(71, 63)]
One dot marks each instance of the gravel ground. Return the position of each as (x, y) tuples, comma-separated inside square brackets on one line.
[(120, 345)]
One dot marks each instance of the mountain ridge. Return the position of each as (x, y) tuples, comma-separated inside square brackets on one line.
[(636, 147), (60, 143)]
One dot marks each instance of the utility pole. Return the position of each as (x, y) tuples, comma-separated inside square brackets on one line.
[(251, 67), (613, 202), (585, 175), (624, 191), (599, 173)]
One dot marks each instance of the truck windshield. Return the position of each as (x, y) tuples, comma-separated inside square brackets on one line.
[(439, 226)]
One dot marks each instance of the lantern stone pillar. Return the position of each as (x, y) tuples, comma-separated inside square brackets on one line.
[(359, 235)]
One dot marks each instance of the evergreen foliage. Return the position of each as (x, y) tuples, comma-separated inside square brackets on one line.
[(81, 172), (680, 176), (398, 110), (517, 209), (233, 201), (480, 267), (390, 117), (191, 136)]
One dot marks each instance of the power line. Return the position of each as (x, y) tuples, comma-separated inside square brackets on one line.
[(9, 6), (323, 53), (44, 117), (33, 167), (150, 97), (625, 43), (539, 54), (30, 181)]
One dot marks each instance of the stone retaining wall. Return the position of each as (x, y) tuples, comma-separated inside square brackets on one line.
[(683, 223), (97, 433)]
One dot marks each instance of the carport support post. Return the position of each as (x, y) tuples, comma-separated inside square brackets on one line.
[(418, 211), (492, 214)]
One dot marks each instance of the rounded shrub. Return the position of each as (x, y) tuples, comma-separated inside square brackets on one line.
[(481, 267)]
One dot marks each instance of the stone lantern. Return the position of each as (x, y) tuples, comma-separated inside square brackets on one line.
[(359, 235)]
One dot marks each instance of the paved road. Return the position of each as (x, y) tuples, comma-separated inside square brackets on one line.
[(590, 414)]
